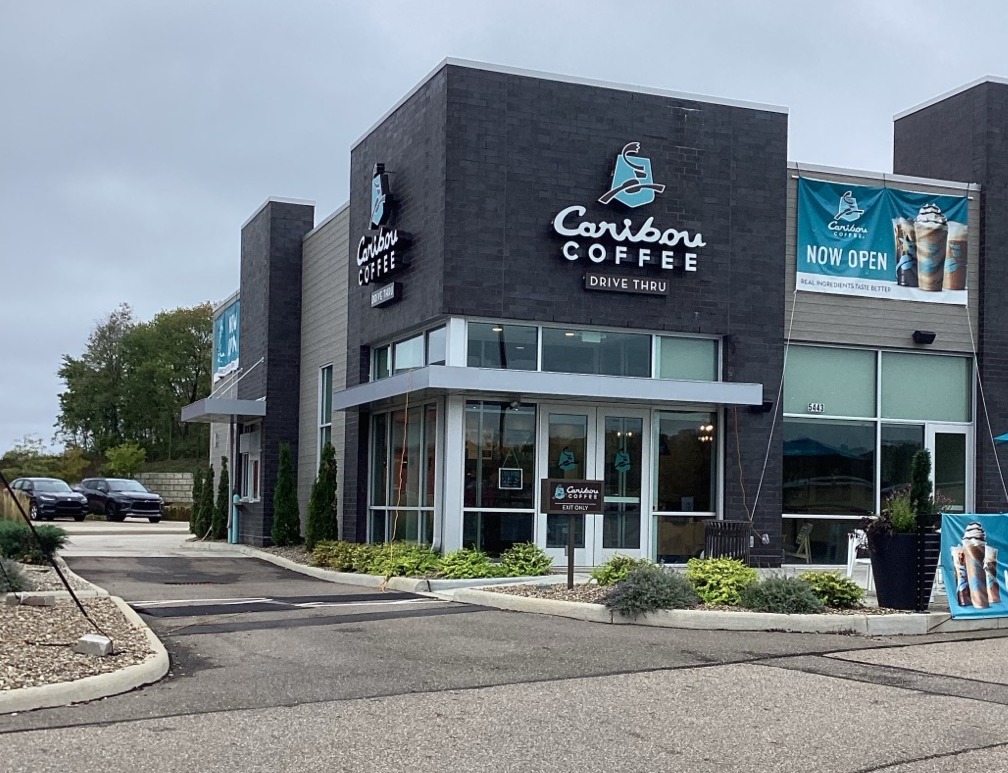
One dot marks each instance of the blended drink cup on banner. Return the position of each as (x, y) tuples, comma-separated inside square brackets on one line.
[(906, 251), (955, 257), (975, 551), (962, 581), (990, 570), (931, 232)]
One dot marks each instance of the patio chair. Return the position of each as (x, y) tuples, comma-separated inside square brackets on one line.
[(803, 544), (855, 540)]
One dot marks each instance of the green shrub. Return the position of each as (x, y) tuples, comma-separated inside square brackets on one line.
[(323, 506), (204, 511), (197, 497), (719, 580), (340, 556), (286, 512), (219, 519), (833, 590), (616, 569), (177, 513), (525, 559), (363, 555), (18, 543), (468, 564), (784, 595), (650, 588), (403, 559), (12, 579)]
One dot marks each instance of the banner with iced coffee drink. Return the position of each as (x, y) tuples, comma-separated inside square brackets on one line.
[(975, 578), (881, 242)]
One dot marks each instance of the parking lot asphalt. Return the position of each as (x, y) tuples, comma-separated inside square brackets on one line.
[(275, 670)]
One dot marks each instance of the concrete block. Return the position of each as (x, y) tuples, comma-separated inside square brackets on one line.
[(41, 600), (93, 644), (897, 625)]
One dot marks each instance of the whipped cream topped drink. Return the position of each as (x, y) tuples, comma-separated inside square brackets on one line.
[(974, 543), (962, 581), (931, 232), (955, 257), (905, 238), (990, 571)]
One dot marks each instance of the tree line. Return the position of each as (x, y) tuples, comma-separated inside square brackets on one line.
[(132, 380)]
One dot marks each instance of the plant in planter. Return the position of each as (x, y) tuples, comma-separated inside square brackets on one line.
[(900, 535)]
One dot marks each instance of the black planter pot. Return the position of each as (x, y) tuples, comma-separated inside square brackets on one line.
[(904, 568)]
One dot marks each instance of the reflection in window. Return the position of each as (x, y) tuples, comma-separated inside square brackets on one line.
[(493, 533), (498, 438), (436, 342), (829, 467), (899, 443), (496, 345), (598, 352), (687, 461), (678, 538), (380, 363), (827, 540), (402, 474), (408, 354)]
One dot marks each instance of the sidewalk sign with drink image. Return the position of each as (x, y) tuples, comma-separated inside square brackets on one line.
[(969, 559)]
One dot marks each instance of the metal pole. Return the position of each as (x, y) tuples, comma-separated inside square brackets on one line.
[(570, 550)]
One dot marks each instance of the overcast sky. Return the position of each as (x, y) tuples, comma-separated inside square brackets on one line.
[(137, 137)]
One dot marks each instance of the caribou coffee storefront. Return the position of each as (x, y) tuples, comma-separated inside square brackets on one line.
[(538, 277)]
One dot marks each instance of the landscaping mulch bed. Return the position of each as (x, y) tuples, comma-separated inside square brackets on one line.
[(295, 553)]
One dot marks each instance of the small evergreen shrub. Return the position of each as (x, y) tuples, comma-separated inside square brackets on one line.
[(468, 564), (362, 555), (323, 510), (784, 595), (286, 512), (616, 569), (525, 559), (650, 588), (197, 497), (219, 520), (18, 543), (719, 580), (833, 590), (12, 579), (404, 559), (178, 513), (204, 513)]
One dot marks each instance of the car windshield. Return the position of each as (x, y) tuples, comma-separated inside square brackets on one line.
[(51, 485), (122, 484)]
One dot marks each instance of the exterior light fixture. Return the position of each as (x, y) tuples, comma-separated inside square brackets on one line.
[(569, 334), (923, 337), (497, 328)]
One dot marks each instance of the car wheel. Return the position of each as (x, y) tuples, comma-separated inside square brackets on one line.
[(33, 511), (154, 519), (79, 518), (112, 513)]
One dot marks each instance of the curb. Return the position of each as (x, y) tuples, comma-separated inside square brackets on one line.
[(914, 624), (92, 688)]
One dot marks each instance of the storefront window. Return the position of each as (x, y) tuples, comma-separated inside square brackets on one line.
[(688, 359), (829, 467), (816, 540), (408, 354), (678, 538), (500, 455), (687, 461), (899, 443), (496, 345), (926, 387), (500, 465), (604, 353), (837, 382), (380, 363), (325, 409), (436, 341), (403, 445), (493, 532)]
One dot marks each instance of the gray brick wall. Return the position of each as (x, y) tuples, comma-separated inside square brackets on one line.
[(323, 341), (483, 161), (174, 487), (965, 138), (271, 245)]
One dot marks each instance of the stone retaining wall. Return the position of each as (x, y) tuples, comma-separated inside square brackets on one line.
[(174, 487)]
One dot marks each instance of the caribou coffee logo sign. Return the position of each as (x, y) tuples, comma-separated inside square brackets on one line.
[(380, 250), (624, 242)]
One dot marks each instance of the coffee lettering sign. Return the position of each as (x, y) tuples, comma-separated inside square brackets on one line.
[(381, 252), (562, 496)]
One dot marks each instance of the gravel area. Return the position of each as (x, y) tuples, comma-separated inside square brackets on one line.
[(295, 553), (36, 643)]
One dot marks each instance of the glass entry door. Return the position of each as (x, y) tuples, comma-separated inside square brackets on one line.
[(606, 444), (949, 453)]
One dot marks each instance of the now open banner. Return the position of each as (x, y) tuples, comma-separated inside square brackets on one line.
[(974, 564), (227, 330), (881, 242)]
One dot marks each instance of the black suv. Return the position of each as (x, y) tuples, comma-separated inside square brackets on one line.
[(120, 497), (50, 498)]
